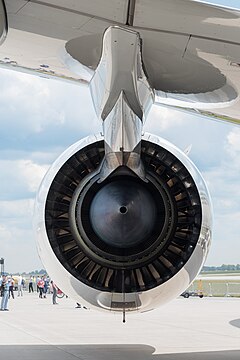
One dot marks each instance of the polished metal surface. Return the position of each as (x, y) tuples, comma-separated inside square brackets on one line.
[(123, 213), (122, 145), (118, 73), (138, 301), (3, 22), (122, 98)]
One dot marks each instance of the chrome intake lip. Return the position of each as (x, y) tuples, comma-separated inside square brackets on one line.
[(56, 244), (147, 263)]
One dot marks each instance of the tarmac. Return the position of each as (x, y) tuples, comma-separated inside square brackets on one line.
[(189, 329)]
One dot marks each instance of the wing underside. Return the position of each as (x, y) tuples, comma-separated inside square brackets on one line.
[(191, 50)]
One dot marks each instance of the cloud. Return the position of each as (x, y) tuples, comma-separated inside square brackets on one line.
[(234, 139), (20, 178), (17, 211), (225, 244), (223, 179), (31, 173), (223, 183), (41, 114), (161, 118), (18, 246), (206, 137), (233, 147)]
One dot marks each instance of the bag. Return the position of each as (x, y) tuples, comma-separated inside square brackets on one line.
[(2, 287)]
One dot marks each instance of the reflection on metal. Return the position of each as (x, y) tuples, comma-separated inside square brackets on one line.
[(236, 64), (121, 69), (188, 149), (122, 98), (3, 22), (217, 99), (130, 12), (85, 274), (122, 134), (205, 113)]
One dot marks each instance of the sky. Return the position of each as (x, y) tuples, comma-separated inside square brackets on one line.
[(40, 118), (229, 3)]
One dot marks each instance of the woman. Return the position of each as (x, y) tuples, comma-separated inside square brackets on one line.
[(5, 284), (40, 285)]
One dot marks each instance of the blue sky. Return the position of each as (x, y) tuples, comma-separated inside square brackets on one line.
[(229, 3), (40, 118)]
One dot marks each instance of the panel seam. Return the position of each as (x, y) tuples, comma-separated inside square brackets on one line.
[(130, 12)]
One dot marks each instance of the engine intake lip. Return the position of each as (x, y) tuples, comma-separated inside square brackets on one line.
[(139, 270)]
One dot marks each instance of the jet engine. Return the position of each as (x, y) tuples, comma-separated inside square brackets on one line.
[(123, 243)]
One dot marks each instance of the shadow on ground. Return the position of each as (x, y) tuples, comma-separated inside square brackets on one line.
[(105, 352), (235, 322)]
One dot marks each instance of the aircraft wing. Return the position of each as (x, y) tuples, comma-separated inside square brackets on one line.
[(191, 50)]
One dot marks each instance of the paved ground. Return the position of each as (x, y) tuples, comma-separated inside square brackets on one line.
[(185, 329)]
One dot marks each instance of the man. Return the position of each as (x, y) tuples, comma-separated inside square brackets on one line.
[(46, 285), (40, 285), (20, 285), (30, 285), (54, 292), (11, 287), (5, 284)]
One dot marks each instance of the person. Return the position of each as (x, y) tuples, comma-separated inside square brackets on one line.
[(34, 283), (11, 287), (30, 285), (37, 281), (54, 292), (20, 285), (1, 288), (5, 284), (45, 288), (40, 285)]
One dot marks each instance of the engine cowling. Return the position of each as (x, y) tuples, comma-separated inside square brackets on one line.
[(123, 243)]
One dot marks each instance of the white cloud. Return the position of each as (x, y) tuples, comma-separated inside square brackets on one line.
[(223, 182), (32, 173), (233, 148), (226, 238), (37, 110), (20, 178), (234, 139), (16, 209), (161, 118), (5, 236), (18, 246)]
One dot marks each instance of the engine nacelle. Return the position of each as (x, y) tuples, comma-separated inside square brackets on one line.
[(123, 243)]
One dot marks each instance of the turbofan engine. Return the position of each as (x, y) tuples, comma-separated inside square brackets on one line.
[(123, 243)]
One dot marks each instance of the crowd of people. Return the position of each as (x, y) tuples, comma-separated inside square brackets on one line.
[(41, 284)]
